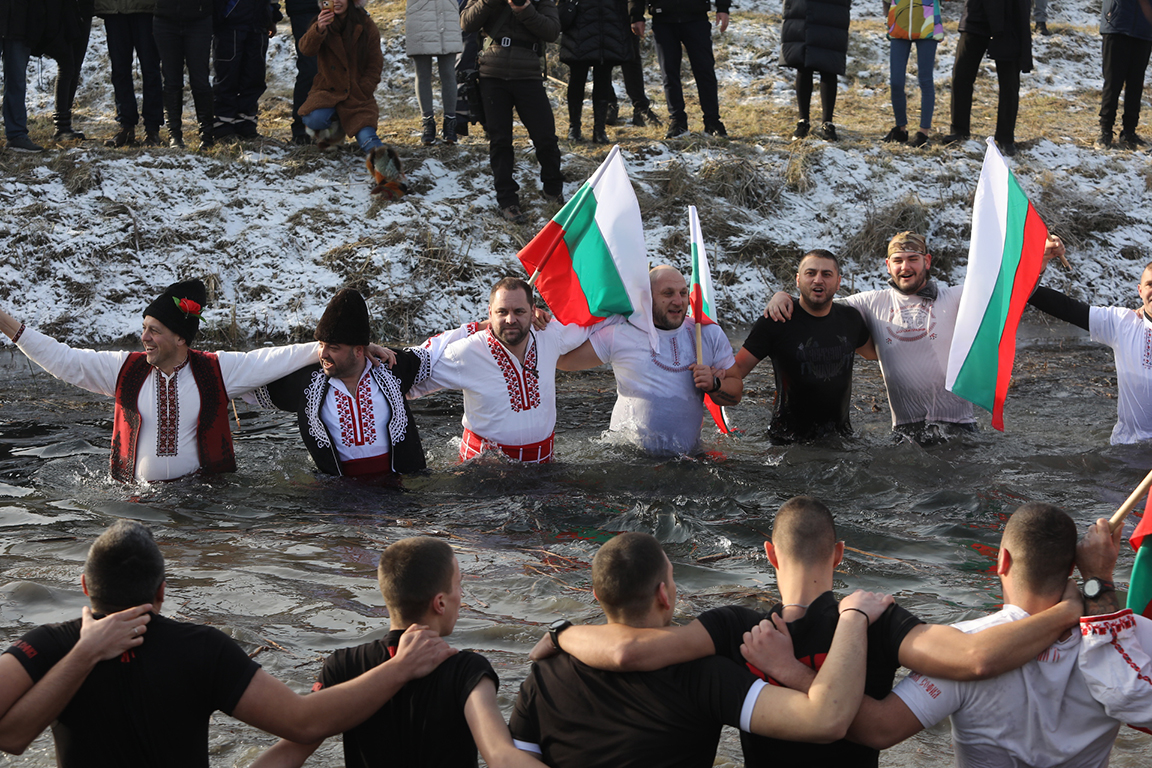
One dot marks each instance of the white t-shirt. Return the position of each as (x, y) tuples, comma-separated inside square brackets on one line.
[(913, 335), (1042, 714), (658, 405), (1131, 340)]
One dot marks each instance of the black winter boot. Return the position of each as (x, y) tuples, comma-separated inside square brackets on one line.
[(205, 117), (174, 115), (574, 133), (599, 117)]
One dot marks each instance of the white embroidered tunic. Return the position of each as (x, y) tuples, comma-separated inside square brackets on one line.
[(1131, 340), (358, 422)]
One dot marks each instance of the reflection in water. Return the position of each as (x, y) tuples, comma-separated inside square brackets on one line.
[(284, 560)]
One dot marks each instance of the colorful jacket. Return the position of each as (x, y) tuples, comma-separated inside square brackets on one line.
[(915, 20)]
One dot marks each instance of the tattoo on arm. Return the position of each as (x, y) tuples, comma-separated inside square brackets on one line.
[(1107, 602)]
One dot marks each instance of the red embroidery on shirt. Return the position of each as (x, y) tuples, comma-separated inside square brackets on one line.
[(357, 420), (168, 412), (1148, 347), (523, 391)]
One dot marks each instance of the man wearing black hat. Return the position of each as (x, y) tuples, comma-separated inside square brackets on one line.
[(352, 412), (171, 416)]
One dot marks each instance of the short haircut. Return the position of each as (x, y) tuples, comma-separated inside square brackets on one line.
[(626, 573), (1042, 540), (124, 567), (412, 572), (511, 284), (804, 530), (820, 253), (908, 242), (1147, 267)]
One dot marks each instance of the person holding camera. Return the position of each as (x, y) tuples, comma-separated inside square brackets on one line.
[(511, 76)]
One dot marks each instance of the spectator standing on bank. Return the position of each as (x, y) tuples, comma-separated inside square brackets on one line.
[(301, 14), (239, 48), (511, 77), (1040, 16), (183, 30), (1001, 29), (65, 40), (597, 38), (913, 22), (632, 71), (128, 28), (17, 31), (685, 23), (432, 29), (814, 38), (1126, 26)]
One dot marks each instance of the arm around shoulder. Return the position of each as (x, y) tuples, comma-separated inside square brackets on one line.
[(490, 732), (885, 723), (620, 648)]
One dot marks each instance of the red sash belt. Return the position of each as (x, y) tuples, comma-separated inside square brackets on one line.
[(472, 445), (373, 465)]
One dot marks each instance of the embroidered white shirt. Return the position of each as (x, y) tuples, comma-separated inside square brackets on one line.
[(1131, 340), (357, 421)]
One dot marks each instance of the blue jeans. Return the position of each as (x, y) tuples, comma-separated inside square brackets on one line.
[(16, 54), (925, 62), (319, 119)]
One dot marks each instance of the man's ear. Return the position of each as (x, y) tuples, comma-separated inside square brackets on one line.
[(662, 597), (837, 553), (159, 594), (84, 585), (927, 261), (1003, 562), (439, 604), (770, 550)]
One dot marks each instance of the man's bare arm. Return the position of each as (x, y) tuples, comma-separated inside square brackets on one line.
[(868, 350), (490, 732), (882, 724), (28, 709), (620, 648), (580, 359), (1096, 558), (745, 362), (779, 307), (707, 378)]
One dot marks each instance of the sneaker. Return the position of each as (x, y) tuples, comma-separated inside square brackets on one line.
[(644, 117), (919, 140), (897, 134), (715, 128), (801, 130), (612, 117), (1042, 28), (1104, 140), (24, 144), (125, 137), (152, 139), (176, 142), (428, 135), (574, 133), (953, 138), (828, 132), (1129, 140), (676, 128), (513, 214), (68, 134), (449, 132)]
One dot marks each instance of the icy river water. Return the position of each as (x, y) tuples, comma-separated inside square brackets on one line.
[(284, 560)]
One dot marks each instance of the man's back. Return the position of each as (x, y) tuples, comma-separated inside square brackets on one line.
[(149, 707), (581, 717), (423, 724)]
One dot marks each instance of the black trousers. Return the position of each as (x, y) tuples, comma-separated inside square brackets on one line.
[(238, 53), (828, 82), (535, 112), (1125, 60), (633, 73), (68, 77), (696, 37), (970, 51), (306, 69), (128, 33), (185, 43), (578, 79)]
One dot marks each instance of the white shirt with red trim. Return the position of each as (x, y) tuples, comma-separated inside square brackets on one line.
[(169, 405), (504, 402), (1115, 662), (1130, 337), (357, 421), (1041, 715)]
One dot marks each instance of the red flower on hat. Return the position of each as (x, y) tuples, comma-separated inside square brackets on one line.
[(188, 307)]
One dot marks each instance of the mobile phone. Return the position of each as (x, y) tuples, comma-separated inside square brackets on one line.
[(325, 5)]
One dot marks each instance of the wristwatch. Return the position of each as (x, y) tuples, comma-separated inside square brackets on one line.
[(554, 630), (716, 384), (1092, 588)]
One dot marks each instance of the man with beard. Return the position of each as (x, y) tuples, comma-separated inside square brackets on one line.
[(352, 412), (660, 403), (507, 373), (912, 323), (812, 355)]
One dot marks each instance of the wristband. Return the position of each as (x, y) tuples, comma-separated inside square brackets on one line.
[(862, 613), (716, 383), (19, 333)]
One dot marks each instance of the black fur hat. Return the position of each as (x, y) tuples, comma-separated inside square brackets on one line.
[(179, 308), (345, 321)]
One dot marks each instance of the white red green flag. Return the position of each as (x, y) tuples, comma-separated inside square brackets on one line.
[(1140, 585), (1005, 257), (702, 303), (590, 261)]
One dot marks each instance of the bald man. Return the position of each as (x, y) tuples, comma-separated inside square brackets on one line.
[(660, 396)]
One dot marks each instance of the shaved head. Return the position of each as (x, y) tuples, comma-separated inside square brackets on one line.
[(804, 531), (1042, 541)]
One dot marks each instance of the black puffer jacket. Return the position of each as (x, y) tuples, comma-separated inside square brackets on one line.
[(183, 10), (526, 32), (815, 35), (23, 20), (600, 34), (1008, 23), (675, 10)]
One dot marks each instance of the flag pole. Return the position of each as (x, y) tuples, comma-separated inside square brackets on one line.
[(1118, 518), (547, 255)]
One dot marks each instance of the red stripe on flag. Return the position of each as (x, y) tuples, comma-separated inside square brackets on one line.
[(1144, 527), (717, 414), (557, 279), (1031, 260), (696, 301)]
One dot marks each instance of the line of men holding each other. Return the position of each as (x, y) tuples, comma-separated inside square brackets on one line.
[(171, 400), (812, 680)]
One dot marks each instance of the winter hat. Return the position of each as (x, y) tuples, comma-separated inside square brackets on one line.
[(179, 308), (345, 321), (908, 242)]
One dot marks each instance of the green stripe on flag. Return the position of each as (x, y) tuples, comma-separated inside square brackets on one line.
[(705, 303), (976, 380), (591, 258), (1140, 585)]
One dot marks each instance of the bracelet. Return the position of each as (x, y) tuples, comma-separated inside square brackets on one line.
[(19, 333), (862, 613)]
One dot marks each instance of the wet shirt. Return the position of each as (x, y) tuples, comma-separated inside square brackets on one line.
[(811, 638), (579, 717), (658, 404), (1130, 337), (423, 724), (913, 335), (812, 359), (149, 707)]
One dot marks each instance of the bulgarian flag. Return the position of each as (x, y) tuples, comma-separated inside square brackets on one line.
[(1004, 261), (702, 305), (1140, 585), (590, 261)]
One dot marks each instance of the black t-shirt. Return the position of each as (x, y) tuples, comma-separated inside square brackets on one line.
[(812, 359), (811, 639), (582, 717), (150, 706), (423, 724)]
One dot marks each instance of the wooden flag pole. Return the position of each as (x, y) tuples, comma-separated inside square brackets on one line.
[(1142, 489), (699, 343)]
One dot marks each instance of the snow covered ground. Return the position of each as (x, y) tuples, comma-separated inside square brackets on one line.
[(89, 235)]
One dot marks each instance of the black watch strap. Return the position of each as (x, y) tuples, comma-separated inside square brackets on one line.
[(1095, 587), (554, 630)]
